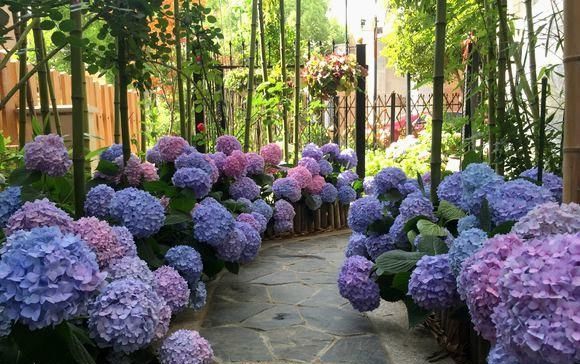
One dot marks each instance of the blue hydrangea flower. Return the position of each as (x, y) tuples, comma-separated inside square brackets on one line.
[(514, 199), (129, 267), (261, 219), (464, 246), (477, 175), (416, 204), (47, 154), (198, 160), (369, 185), (347, 158), (346, 195), (230, 250), (5, 323), (9, 203), (467, 222), (356, 285), (260, 206), (331, 149), (499, 355), (397, 230), (172, 287), (410, 186), (227, 144), (283, 210), (98, 201), (356, 246), (186, 260), (244, 187), (364, 212), (287, 188), (379, 244), (388, 179), (346, 178), (138, 211), (253, 242), (194, 179), (311, 150), (125, 315), (329, 193), (46, 277), (212, 222), (256, 164), (432, 285), (450, 189), (111, 153), (198, 296), (154, 156), (325, 167), (474, 202), (549, 181), (185, 347)]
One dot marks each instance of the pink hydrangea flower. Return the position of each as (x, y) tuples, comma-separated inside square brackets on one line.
[(171, 147), (315, 187), (235, 165), (272, 154), (149, 172), (302, 175)]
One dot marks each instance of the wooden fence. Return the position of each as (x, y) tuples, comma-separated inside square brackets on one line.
[(100, 101)]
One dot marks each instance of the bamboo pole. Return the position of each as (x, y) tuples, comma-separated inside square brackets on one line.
[(491, 83), (251, 76), (264, 60), (142, 110), (503, 53), (20, 34), (51, 93), (123, 102), (117, 133), (438, 81), (284, 79), (78, 101), (179, 66), (42, 75), (571, 152), (297, 85), (534, 101)]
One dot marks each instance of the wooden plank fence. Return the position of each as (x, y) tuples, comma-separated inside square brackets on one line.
[(100, 101)]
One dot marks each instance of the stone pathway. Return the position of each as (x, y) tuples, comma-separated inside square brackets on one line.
[(285, 308)]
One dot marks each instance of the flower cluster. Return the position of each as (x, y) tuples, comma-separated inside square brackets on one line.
[(186, 261), (39, 213), (356, 285), (253, 241), (235, 165), (432, 285), (47, 154), (467, 222), (513, 200), (10, 202), (194, 179), (129, 267), (499, 355), (388, 179), (549, 181), (376, 245), (172, 287), (244, 187), (301, 175), (464, 246), (329, 193), (549, 219), (138, 211), (111, 153), (310, 164), (312, 151), (346, 195), (212, 222), (185, 347), (283, 216), (325, 76), (272, 154), (331, 150), (356, 246), (256, 164), (201, 161), (261, 207), (170, 147), (364, 212), (98, 201), (450, 189), (347, 158), (287, 188), (227, 144)]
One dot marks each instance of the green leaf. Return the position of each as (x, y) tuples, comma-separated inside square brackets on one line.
[(470, 157), (76, 347), (432, 245), (107, 168), (392, 196), (146, 252), (412, 224), (182, 203), (415, 314), (504, 228), (485, 216), (427, 228), (66, 25), (387, 291), (177, 217), (211, 19), (92, 154), (47, 24), (59, 39), (37, 128), (420, 182), (381, 227), (448, 211), (411, 236), (397, 261), (22, 176)]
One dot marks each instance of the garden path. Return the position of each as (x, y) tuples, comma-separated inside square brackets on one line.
[(285, 308)]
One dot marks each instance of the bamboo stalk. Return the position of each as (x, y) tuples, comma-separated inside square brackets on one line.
[(571, 150), (117, 135), (284, 79), (123, 102), (42, 75), (438, 81), (491, 83), (251, 76), (20, 34), (78, 101), (503, 52), (534, 104), (142, 110), (179, 66), (297, 85), (51, 94), (264, 60)]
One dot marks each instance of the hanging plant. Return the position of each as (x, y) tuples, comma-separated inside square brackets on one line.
[(326, 76)]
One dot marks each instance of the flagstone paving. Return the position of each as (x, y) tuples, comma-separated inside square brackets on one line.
[(285, 308)]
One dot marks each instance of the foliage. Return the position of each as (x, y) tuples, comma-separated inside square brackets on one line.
[(326, 76)]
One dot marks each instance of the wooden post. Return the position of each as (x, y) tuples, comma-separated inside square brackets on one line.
[(23, 68), (571, 165), (409, 114), (392, 130), (78, 105), (361, 122)]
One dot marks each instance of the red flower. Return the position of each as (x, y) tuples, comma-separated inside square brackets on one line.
[(201, 128)]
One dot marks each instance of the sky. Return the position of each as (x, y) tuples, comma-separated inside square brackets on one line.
[(357, 9)]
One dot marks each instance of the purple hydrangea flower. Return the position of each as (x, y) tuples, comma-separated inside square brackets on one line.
[(283, 210), (172, 287), (230, 250), (549, 219), (250, 220), (112, 153), (246, 205), (261, 207), (272, 154), (369, 186), (467, 222), (356, 285), (450, 189), (301, 174), (388, 179), (312, 150), (325, 167), (9, 203), (98, 201), (125, 315), (379, 244), (186, 261), (193, 179), (477, 281), (47, 154), (356, 246), (331, 149), (410, 186), (499, 355), (288, 188), (39, 213), (261, 219), (253, 242), (46, 277), (153, 156), (514, 199), (346, 178), (212, 222), (219, 159), (363, 213), (171, 147), (235, 165), (432, 285), (416, 204), (124, 242), (537, 317), (310, 164), (185, 347), (201, 161), (255, 164), (164, 320), (549, 181), (149, 172), (347, 158), (474, 202), (138, 211), (244, 187), (129, 267), (227, 144), (283, 226), (346, 195), (464, 246), (198, 296), (329, 193), (131, 170)]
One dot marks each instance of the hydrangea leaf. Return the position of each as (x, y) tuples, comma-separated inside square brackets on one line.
[(397, 261), (448, 211), (428, 228), (107, 168), (415, 314), (432, 245), (22, 176), (503, 228)]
